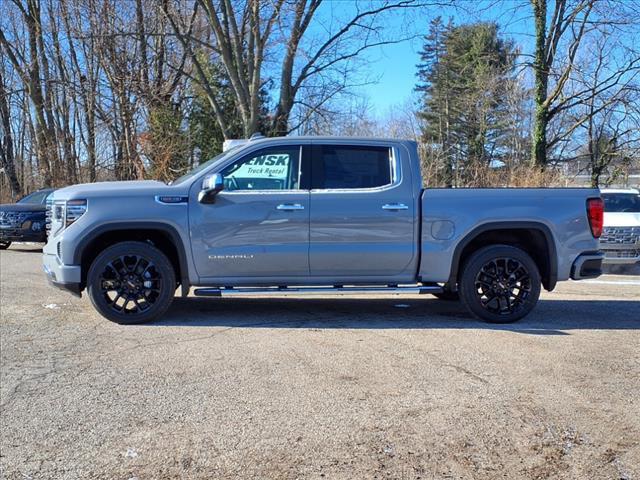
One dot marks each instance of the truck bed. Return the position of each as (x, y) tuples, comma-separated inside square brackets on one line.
[(453, 217)]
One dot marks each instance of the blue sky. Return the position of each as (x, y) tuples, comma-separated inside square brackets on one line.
[(394, 66)]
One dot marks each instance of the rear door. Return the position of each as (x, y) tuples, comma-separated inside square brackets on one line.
[(362, 213)]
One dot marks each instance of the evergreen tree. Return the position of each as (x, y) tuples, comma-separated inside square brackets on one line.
[(463, 76), (204, 131), (434, 83)]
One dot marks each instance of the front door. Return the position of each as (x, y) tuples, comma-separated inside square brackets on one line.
[(258, 226)]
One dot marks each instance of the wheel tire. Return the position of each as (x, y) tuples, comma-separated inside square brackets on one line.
[(138, 274), (4, 245), (447, 295), (500, 284)]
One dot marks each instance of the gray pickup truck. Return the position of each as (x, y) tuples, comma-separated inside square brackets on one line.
[(317, 216)]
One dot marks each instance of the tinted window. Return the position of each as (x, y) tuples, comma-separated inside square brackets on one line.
[(37, 198), (346, 166), (274, 168), (621, 202)]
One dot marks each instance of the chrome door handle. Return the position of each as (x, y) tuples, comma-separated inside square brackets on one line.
[(289, 206), (395, 206)]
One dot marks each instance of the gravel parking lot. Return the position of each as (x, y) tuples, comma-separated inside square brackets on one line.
[(400, 388)]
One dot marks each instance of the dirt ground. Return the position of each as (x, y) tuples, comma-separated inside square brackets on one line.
[(388, 388)]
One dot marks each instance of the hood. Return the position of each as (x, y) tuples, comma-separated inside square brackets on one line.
[(22, 207), (101, 189), (621, 219)]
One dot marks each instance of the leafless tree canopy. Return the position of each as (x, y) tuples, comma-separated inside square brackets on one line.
[(109, 89)]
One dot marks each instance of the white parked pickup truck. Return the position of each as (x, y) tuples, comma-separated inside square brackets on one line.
[(620, 239)]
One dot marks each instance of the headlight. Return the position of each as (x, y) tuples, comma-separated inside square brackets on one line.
[(58, 211), (63, 213), (74, 210)]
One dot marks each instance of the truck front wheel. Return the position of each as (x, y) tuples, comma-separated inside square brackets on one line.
[(500, 284), (131, 282)]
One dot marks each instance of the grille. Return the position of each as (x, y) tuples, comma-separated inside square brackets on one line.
[(12, 219), (48, 214), (622, 253), (620, 235)]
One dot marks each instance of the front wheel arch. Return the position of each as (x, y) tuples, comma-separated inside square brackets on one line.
[(161, 235)]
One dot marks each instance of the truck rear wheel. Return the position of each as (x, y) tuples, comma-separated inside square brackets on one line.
[(500, 284), (131, 282)]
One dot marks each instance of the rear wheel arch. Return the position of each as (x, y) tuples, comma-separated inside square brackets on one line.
[(161, 235), (534, 238)]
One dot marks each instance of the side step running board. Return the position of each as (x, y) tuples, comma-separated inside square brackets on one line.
[(285, 291)]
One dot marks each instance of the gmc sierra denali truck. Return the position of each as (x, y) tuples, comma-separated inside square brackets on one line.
[(318, 215)]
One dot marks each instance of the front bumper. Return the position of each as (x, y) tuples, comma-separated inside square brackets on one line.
[(621, 254), (587, 265), (22, 235), (65, 277)]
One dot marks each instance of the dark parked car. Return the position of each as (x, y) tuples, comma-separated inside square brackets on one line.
[(24, 221)]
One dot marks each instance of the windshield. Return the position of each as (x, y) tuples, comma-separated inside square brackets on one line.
[(621, 202), (203, 166), (36, 198)]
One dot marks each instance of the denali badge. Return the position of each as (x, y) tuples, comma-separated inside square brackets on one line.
[(172, 199), (230, 257)]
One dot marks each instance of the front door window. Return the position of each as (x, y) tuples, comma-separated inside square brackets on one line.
[(275, 168)]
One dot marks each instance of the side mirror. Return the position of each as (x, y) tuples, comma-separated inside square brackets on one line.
[(211, 186)]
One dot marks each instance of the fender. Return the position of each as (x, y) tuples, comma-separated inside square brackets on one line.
[(524, 225), (137, 225)]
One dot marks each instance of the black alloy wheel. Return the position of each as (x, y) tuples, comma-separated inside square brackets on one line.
[(500, 284), (131, 282)]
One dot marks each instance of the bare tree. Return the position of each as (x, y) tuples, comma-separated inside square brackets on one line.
[(245, 35), (7, 157), (567, 18), (557, 45), (29, 69)]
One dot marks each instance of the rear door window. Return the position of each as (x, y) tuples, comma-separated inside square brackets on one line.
[(350, 167)]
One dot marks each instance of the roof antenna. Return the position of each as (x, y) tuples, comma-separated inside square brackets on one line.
[(256, 136)]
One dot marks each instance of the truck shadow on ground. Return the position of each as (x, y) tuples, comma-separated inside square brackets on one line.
[(551, 317)]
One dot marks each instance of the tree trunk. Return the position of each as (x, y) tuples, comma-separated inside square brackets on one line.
[(541, 74), (91, 142), (280, 126), (43, 142), (7, 151), (446, 147)]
